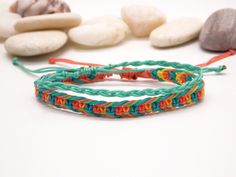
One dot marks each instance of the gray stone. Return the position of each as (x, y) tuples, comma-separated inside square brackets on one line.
[(219, 31)]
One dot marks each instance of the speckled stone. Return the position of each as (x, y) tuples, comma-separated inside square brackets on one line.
[(142, 19), (7, 23), (100, 32), (176, 32), (48, 22), (219, 31), (35, 43)]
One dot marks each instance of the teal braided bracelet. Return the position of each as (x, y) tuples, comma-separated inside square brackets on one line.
[(189, 88)]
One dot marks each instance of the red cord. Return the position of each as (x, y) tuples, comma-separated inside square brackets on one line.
[(128, 75), (212, 60), (217, 58), (63, 60)]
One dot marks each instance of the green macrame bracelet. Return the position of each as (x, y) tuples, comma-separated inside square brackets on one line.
[(188, 91)]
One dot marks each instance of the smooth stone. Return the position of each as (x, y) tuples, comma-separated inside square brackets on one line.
[(49, 21), (7, 22), (142, 20), (35, 43), (219, 31), (100, 32), (176, 32)]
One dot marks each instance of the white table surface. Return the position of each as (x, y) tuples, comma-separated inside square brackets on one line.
[(37, 141)]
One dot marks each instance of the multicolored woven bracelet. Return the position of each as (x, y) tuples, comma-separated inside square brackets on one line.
[(189, 88)]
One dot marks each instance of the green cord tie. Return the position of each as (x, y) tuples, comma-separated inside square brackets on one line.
[(93, 70)]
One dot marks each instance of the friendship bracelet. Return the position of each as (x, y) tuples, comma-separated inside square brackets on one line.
[(189, 88)]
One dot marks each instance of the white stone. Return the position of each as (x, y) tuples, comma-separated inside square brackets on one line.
[(7, 22), (35, 43), (49, 21), (176, 32), (100, 32), (142, 19)]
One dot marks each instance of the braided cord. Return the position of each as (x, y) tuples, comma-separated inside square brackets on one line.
[(188, 91), (51, 83)]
